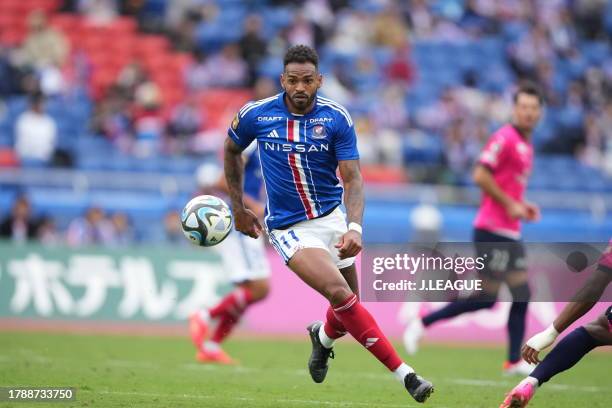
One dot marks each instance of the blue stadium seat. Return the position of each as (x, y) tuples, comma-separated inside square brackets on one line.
[(367, 6), (134, 204), (181, 165), (154, 8), (58, 201), (596, 52), (270, 68), (7, 196), (422, 148), (6, 136), (275, 18)]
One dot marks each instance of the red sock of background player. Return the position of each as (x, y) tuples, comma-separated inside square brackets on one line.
[(236, 301), (362, 326), (332, 329), (226, 323), (228, 310)]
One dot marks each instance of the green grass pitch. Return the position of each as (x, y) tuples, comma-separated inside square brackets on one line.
[(133, 371)]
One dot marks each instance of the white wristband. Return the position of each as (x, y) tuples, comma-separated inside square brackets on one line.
[(355, 227), (544, 339)]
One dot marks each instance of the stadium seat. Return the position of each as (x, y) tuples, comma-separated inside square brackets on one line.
[(8, 158), (383, 174)]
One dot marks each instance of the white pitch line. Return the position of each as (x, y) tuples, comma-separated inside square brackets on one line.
[(492, 383), (33, 358), (247, 399), (128, 363), (377, 376)]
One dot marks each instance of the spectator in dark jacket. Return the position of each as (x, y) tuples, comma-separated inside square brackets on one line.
[(19, 225)]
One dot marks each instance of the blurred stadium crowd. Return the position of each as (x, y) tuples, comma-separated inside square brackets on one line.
[(150, 85)]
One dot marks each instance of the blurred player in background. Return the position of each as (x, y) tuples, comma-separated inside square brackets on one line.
[(243, 258), (303, 139), (501, 173), (575, 345)]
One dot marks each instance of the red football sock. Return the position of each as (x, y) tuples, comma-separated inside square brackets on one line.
[(234, 303), (333, 326), (362, 326), (226, 323)]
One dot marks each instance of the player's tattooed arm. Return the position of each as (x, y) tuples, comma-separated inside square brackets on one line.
[(350, 243), (353, 189), (233, 164), (584, 300), (245, 220)]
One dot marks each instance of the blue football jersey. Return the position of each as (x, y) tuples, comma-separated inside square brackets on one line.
[(299, 155)]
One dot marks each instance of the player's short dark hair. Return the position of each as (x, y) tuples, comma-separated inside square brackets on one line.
[(529, 88), (301, 54)]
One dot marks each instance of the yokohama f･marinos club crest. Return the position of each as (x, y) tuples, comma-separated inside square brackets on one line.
[(318, 132)]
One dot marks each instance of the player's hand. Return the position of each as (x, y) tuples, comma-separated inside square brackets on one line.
[(533, 211), (517, 209), (530, 355), (349, 244), (246, 222), (537, 343)]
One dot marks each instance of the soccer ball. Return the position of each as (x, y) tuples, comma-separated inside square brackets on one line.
[(206, 220)]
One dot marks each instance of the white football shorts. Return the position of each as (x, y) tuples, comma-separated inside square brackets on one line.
[(244, 258), (324, 233)]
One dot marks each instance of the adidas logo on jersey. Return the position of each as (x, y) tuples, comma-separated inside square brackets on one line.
[(273, 134)]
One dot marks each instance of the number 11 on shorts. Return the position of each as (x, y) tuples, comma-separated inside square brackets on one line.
[(293, 236)]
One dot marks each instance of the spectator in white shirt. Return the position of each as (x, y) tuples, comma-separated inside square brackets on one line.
[(35, 133)]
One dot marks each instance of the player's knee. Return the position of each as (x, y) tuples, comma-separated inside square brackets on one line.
[(337, 293), (600, 331), (263, 288), (520, 293), (259, 289)]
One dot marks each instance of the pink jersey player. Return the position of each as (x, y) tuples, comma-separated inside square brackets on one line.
[(509, 157), (605, 264), (606, 258)]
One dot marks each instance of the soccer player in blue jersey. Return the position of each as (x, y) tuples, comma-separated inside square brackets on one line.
[(244, 259), (303, 139), (575, 345)]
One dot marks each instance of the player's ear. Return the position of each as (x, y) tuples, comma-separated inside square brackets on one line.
[(282, 81), (320, 81)]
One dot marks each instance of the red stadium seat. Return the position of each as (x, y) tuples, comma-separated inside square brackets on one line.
[(67, 23), (12, 37), (93, 43), (172, 96), (123, 26), (383, 174), (11, 7), (151, 45), (25, 7), (8, 158), (219, 104), (12, 22), (225, 97), (102, 32), (180, 62)]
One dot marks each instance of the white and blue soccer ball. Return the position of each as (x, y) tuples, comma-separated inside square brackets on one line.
[(206, 220)]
